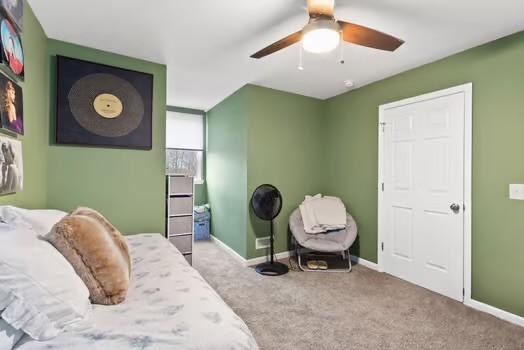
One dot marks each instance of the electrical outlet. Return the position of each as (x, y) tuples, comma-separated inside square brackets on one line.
[(516, 191), (262, 243)]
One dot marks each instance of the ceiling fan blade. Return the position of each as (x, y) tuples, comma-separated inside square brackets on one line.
[(320, 8), (365, 36), (279, 45)]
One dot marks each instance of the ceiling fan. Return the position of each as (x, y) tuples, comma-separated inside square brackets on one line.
[(323, 33)]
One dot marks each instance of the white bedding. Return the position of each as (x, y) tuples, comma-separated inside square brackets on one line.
[(169, 306)]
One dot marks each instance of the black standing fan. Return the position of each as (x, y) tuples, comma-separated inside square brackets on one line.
[(267, 203)]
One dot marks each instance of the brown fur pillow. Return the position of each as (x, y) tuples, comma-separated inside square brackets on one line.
[(98, 253), (117, 236)]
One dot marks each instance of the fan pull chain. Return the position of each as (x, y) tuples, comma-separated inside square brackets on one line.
[(300, 58), (341, 58)]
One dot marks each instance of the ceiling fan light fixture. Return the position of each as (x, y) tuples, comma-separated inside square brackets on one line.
[(321, 36), (324, 33)]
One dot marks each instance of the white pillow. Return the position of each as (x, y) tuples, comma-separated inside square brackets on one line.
[(41, 220), (40, 292), (8, 335)]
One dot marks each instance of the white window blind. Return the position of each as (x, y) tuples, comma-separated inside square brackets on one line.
[(185, 144), (184, 131)]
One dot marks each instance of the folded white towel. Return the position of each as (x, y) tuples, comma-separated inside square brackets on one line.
[(308, 215), (310, 225), (322, 214), (330, 211), (317, 196)]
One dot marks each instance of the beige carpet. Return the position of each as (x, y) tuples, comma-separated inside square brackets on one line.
[(360, 310)]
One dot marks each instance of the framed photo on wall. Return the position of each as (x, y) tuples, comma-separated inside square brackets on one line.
[(12, 51), (11, 166), (15, 11), (103, 106), (11, 105)]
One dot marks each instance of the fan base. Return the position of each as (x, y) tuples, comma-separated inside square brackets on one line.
[(272, 269)]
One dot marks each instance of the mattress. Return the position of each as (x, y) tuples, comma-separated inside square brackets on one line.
[(169, 306)]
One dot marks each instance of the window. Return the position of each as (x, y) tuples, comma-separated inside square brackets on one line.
[(185, 144)]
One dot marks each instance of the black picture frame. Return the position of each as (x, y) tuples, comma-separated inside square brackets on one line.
[(12, 166), (81, 83), (12, 48), (11, 101), (15, 11)]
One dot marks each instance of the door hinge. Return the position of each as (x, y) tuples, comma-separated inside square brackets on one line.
[(463, 292), (382, 125), (382, 245), (382, 185), (463, 207)]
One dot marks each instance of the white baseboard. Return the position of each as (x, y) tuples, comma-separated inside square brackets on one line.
[(499, 313), (228, 249), (282, 255), (244, 261), (477, 305), (364, 262), (261, 259)]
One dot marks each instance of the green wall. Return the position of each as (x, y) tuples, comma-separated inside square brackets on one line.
[(497, 73), (328, 147), (226, 170), (200, 194), (306, 146), (127, 186), (36, 121), (259, 136), (284, 149)]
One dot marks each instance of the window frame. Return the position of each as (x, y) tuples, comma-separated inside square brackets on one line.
[(197, 112)]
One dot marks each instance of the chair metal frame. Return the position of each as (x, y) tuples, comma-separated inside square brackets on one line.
[(298, 253)]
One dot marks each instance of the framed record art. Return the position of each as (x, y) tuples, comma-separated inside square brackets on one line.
[(11, 166), (11, 105), (104, 106), (12, 52), (15, 11)]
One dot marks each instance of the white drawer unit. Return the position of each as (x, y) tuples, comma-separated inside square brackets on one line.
[(180, 205), (180, 225), (179, 213), (183, 243), (180, 185)]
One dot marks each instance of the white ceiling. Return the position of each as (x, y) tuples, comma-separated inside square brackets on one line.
[(206, 44)]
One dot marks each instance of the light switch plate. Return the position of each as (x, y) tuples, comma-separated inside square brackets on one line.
[(516, 191)]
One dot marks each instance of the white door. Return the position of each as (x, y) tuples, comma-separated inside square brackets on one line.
[(422, 214)]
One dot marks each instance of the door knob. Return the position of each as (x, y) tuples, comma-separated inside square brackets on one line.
[(455, 207)]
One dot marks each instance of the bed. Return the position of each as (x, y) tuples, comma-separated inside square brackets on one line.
[(169, 306)]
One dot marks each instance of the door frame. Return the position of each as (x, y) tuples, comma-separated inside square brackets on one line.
[(467, 90)]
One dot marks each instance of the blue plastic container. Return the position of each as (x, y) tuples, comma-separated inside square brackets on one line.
[(202, 230), (202, 218)]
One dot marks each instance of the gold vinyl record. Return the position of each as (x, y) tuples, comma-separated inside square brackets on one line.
[(106, 105)]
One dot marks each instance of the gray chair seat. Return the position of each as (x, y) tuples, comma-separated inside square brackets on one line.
[(330, 242)]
